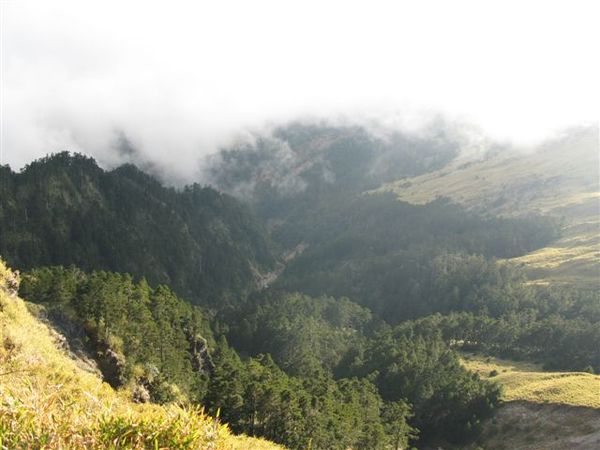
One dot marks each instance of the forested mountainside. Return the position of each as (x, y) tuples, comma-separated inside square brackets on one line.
[(64, 209), (301, 168), (149, 342), (314, 368), (311, 311), (385, 254), (47, 400)]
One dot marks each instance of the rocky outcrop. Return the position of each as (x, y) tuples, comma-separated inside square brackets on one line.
[(140, 393), (111, 364), (201, 360), (10, 282)]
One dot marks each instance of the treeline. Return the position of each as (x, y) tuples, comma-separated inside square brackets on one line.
[(64, 209), (340, 364), (556, 326)]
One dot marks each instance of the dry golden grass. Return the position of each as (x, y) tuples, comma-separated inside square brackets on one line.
[(528, 382), (47, 402)]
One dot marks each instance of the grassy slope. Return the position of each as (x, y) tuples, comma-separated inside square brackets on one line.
[(559, 179), (47, 401), (543, 410), (530, 426), (528, 382)]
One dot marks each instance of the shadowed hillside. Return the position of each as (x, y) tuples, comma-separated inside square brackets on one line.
[(64, 209)]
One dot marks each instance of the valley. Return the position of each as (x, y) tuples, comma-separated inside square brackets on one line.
[(331, 289)]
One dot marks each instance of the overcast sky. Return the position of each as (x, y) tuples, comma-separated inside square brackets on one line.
[(181, 78)]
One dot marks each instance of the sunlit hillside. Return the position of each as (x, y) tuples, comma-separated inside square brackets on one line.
[(559, 179), (523, 381), (542, 410), (47, 401)]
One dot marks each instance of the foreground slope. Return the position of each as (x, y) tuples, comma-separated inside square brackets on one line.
[(47, 401), (559, 178)]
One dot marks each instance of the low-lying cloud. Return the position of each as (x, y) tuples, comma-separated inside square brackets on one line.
[(178, 81)]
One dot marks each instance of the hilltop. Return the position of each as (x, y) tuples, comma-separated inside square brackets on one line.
[(526, 381), (541, 410)]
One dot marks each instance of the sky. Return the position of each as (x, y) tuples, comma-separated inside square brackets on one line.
[(181, 79)]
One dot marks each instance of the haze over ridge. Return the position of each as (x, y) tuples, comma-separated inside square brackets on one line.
[(178, 84)]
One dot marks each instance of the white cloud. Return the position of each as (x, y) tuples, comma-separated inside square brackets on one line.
[(179, 78)]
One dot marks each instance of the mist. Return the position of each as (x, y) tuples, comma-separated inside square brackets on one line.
[(165, 87)]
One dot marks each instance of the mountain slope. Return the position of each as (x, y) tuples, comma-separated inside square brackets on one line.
[(47, 401), (528, 382), (65, 210), (559, 179), (302, 170), (530, 426), (542, 410)]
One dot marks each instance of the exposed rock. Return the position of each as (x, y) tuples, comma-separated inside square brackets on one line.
[(140, 394), (263, 281), (112, 365), (11, 283), (201, 360)]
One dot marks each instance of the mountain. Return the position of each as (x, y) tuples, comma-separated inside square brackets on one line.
[(328, 298), (314, 186), (302, 171), (300, 168), (64, 209), (559, 178)]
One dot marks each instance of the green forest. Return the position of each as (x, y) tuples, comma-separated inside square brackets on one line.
[(64, 209), (354, 342)]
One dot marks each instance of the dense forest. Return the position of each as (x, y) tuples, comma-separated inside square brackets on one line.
[(353, 342), (64, 209), (330, 395), (403, 261)]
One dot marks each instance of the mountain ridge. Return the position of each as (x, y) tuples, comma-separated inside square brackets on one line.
[(64, 209), (560, 178)]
